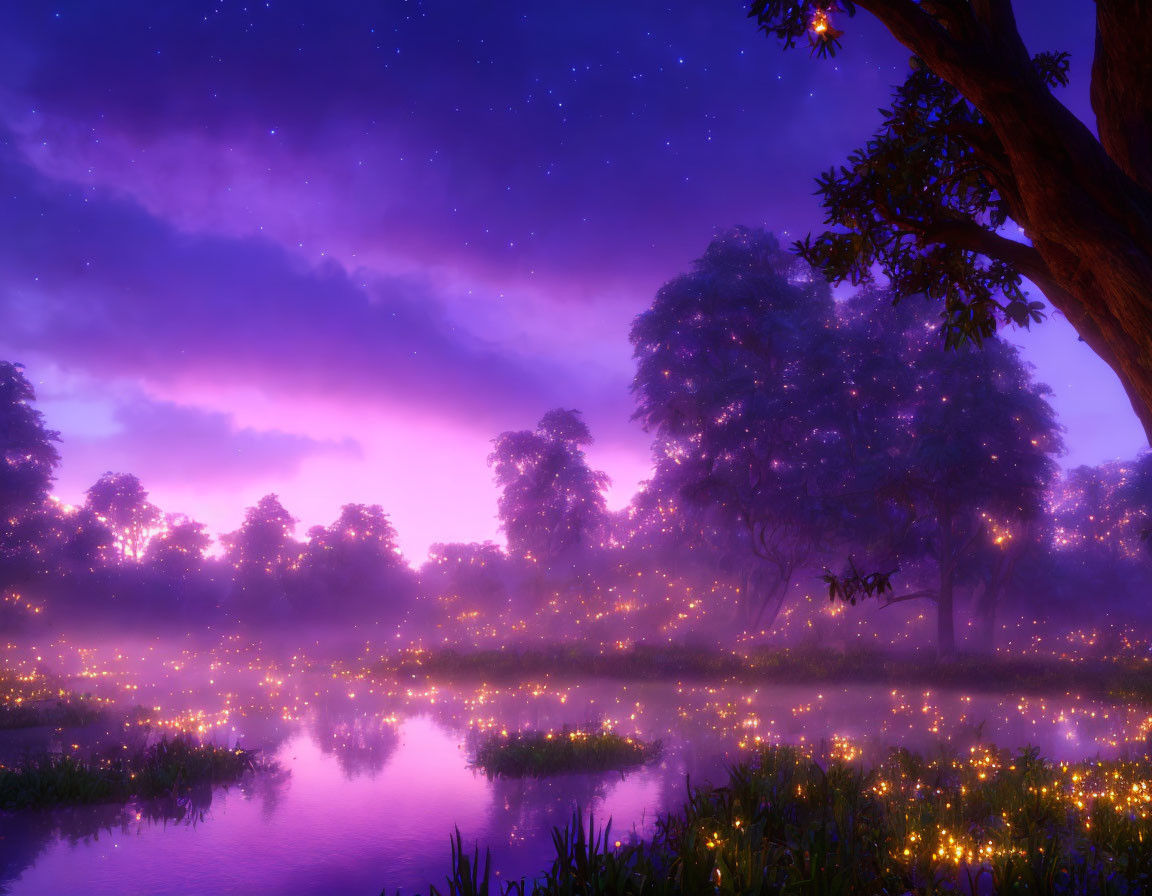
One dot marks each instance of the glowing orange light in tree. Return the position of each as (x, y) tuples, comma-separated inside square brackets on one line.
[(819, 22)]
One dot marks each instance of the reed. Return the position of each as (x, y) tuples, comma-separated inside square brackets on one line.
[(539, 753), (986, 822), (162, 768), (1117, 678)]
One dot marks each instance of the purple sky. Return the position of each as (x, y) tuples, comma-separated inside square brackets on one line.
[(330, 250)]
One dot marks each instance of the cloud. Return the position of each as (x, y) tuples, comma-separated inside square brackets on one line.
[(166, 443), (101, 286)]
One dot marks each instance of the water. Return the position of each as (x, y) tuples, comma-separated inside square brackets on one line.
[(374, 775)]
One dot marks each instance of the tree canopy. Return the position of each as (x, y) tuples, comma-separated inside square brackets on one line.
[(28, 455), (120, 501), (821, 429), (975, 142), (736, 376), (551, 501)]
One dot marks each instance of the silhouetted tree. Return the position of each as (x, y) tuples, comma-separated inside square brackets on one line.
[(121, 501), (28, 459), (1137, 497), (477, 570), (551, 502), (262, 553), (28, 455), (178, 548), (975, 139), (1098, 516), (738, 376), (954, 447), (352, 561)]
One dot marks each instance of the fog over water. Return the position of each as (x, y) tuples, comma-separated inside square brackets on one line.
[(374, 771), (425, 419)]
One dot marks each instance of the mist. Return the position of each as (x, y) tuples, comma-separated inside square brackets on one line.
[(454, 450)]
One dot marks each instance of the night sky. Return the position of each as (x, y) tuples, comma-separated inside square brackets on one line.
[(330, 250)]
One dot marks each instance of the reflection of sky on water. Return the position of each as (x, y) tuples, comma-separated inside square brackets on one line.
[(375, 772)]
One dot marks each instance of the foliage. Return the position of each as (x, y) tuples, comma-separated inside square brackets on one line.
[(975, 142), (952, 441), (854, 584), (821, 429), (179, 548), (538, 753), (1119, 678), (551, 502), (28, 456), (918, 202), (120, 501), (784, 823), (59, 713), (264, 542), (165, 767), (788, 21), (736, 375), (352, 560)]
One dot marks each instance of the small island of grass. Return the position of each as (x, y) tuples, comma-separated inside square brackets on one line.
[(164, 768), (541, 753)]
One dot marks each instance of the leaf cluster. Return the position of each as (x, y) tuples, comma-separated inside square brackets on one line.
[(788, 21), (925, 203), (855, 584)]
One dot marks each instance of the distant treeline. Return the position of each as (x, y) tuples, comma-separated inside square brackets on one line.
[(794, 436)]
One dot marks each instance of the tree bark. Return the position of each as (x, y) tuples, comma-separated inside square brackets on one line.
[(986, 608), (945, 626), (1085, 205), (1122, 85)]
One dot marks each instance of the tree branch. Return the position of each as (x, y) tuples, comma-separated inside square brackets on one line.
[(923, 594), (918, 31), (995, 15)]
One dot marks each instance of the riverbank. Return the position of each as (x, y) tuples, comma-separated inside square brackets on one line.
[(988, 821), (167, 767), (1121, 679)]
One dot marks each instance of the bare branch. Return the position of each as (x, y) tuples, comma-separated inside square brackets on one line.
[(923, 594)]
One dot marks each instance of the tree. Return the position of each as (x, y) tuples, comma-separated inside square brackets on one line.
[(1137, 495), (951, 449), (1004, 549), (262, 553), (178, 548), (976, 139), (551, 502), (469, 588), (737, 374), (121, 501), (1099, 516), (28, 456), (476, 570), (1095, 549), (353, 558)]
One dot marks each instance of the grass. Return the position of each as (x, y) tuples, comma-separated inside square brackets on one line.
[(163, 768), (1117, 679), (640, 662), (989, 822), (538, 754), (36, 699), (62, 713)]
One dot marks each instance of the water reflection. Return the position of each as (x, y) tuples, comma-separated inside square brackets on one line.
[(25, 836), (375, 773)]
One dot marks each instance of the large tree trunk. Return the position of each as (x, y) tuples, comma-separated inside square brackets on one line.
[(986, 607), (771, 597), (945, 626), (1086, 206)]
